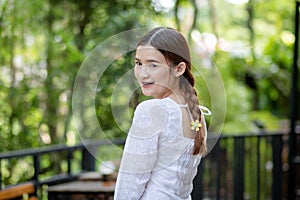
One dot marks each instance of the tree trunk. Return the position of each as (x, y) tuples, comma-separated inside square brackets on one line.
[(51, 94), (12, 90), (195, 17), (250, 10), (86, 9), (213, 17), (176, 15)]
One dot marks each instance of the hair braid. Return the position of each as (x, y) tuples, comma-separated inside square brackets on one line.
[(187, 83)]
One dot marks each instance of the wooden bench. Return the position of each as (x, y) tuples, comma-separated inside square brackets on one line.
[(19, 192)]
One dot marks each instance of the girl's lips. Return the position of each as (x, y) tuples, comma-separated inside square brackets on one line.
[(147, 84)]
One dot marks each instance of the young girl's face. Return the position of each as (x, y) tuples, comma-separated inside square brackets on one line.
[(153, 73)]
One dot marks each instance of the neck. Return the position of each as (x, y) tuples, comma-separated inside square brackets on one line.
[(177, 96)]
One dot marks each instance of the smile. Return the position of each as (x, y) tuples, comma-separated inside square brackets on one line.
[(145, 84)]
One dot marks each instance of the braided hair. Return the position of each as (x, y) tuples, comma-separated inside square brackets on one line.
[(175, 49)]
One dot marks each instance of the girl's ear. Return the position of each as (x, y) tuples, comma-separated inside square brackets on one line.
[(180, 69)]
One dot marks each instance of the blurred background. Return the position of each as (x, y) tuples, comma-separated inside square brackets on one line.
[(43, 43)]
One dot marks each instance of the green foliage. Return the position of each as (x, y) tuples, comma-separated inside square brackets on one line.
[(41, 54), (43, 44)]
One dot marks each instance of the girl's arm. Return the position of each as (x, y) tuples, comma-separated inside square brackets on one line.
[(140, 152)]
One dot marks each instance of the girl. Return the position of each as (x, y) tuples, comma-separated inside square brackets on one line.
[(168, 133)]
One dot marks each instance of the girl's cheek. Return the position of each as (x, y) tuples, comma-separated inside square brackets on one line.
[(135, 74)]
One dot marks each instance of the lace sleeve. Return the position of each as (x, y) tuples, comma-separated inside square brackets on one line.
[(140, 151)]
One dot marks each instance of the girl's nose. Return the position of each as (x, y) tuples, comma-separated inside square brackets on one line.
[(144, 72)]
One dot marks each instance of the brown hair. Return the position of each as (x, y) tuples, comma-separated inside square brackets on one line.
[(175, 49)]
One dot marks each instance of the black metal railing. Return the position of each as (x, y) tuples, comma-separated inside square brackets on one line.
[(62, 154), (252, 166)]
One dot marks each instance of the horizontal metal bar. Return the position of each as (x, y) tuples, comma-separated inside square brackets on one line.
[(296, 160), (249, 135), (56, 148)]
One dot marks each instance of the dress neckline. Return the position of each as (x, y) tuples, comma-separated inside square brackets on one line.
[(204, 110), (184, 106), (181, 105)]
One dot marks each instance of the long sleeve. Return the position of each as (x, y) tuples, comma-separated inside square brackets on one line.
[(140, 151)]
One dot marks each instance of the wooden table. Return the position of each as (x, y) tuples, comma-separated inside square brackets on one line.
[(82, 190)]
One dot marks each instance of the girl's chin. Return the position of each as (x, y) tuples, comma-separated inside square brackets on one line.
[(155, 95), (147, 93)]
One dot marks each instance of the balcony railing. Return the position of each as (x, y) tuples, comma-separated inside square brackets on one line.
[(252, 166)]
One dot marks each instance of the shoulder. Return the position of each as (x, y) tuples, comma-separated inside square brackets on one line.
[(148, 104), (149, 112), (158, 107), (164, 112)]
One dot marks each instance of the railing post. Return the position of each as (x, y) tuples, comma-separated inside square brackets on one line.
[(36, 165), (69, 157), (238, 168), (258, 168), (277, 167), (218, 150), (294, 105), (197, 183), (0, 174), (88, 160)]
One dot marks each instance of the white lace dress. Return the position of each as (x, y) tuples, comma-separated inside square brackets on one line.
[(157, 161)]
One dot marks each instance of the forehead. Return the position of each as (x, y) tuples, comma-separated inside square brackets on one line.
[(148, 53)]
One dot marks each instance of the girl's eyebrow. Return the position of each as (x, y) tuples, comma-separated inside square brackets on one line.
[(150, 60)]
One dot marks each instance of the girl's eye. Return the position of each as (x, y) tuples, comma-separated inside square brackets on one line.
[(152, 65), (138, 64)]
